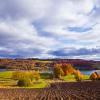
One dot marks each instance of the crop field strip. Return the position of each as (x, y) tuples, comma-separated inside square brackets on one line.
[(57, 91)]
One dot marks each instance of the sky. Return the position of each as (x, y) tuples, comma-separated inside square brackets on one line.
[(50, 29)]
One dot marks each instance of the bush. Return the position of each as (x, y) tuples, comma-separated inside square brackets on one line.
[(36, 75), (24, 82), (25, 78), (26, 74), (95, 76), (19, 75), (31, 75), (78, 75)]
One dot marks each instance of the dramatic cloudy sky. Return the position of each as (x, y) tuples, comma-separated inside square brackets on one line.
[(50, 28)]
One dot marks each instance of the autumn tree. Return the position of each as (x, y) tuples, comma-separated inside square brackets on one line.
[(67, 68), (95, 76), (36, 75), (58, 72), (78, 75), (26, 74), (19, 75)]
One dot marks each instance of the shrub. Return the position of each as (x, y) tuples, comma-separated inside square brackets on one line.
[(36, 75), (26, 74), (19, 75), (78, 75), (24, 82), (31, 75), (95, 76)]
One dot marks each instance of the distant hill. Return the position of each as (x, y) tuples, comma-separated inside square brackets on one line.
[(81, 64), (30, 63)]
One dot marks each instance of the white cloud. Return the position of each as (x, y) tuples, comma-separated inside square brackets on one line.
[(30, 9), (20, 35), (17, 28)]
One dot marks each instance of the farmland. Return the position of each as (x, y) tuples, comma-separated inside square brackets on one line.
[(46, 81), (7, 81), (89, 90), (29, 64)]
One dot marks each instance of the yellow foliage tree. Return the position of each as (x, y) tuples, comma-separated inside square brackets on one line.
[(36, 75), (78, 75), (26, 74), (58, 72), (19, 75), (94, 76)]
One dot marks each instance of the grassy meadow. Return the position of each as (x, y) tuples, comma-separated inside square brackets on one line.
[(6, 80)]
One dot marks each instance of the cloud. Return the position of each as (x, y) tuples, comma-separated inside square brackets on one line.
[(33, 28), (16, 9), (73, 52), (21, 38)]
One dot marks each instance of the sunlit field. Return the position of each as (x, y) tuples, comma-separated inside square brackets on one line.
[(6, 80)]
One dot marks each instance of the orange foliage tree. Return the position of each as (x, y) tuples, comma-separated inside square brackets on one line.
[(95, 76), (67, 68)]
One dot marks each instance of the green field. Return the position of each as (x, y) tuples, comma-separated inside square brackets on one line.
[(7, 81), (72, 77), (6, 75), (86, 77), (69, 78)]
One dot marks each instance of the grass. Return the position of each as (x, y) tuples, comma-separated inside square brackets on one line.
[(40, 84), (86, 77), (43, 61), (13, 84), (6, 75), (69, 78), (72, 77), (45, 75), (7, 81)]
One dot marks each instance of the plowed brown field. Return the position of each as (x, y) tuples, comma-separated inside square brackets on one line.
[(57, 91)]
